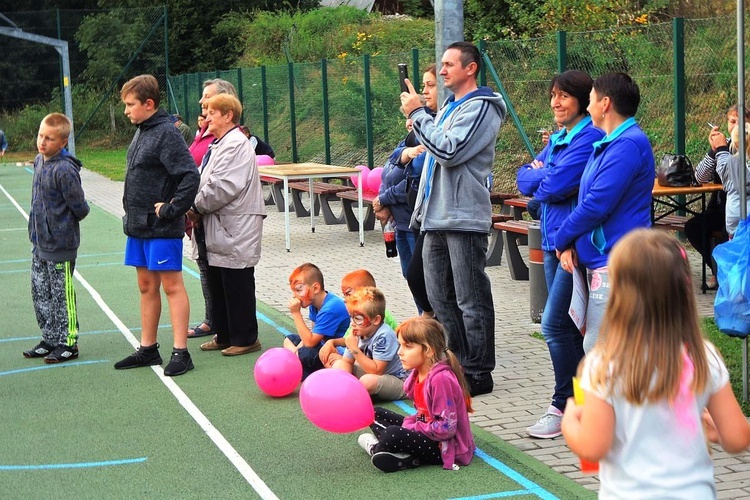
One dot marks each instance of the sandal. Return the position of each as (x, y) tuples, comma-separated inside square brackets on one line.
[(197, 331)]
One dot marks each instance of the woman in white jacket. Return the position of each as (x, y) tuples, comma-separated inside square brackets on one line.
[(230, 206)]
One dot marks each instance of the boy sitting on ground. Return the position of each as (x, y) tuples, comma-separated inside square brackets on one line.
[(327, 313), (372, 348), (333, 349)]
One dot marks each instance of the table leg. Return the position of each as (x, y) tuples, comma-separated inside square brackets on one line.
[(361, 214), (286, 213), (312, 205), (704, 243)]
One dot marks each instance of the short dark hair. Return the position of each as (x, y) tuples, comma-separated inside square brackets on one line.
[(143, 87), (469, 54), (576, 83), (622, 91)]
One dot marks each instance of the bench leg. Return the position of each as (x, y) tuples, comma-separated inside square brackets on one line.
[(519, 271), (495, 248), (328, 216), (351, 219), (277, 190), (299, 207), (268, 193)]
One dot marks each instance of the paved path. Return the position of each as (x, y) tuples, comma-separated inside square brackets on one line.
[(523, 376)]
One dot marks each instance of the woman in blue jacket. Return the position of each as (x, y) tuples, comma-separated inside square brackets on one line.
[(553, 179), (615, 193)]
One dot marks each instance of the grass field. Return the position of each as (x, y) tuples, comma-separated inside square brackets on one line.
[(84, 430)]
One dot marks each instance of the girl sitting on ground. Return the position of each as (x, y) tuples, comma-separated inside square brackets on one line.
[(649, 379), (439, 432)]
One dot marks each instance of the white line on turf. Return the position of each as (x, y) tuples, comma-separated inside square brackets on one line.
[(205, 424)]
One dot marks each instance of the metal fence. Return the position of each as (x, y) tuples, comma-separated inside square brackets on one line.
[(347, 111)]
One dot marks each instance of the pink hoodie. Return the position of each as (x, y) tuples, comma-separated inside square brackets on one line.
[(450, 421)]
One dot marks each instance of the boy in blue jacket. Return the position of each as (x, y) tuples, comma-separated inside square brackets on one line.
[(57, 206)]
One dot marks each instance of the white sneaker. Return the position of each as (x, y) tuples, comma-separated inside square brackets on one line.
[(367, 441), (548, 426)]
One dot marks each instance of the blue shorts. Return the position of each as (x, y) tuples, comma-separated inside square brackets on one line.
[(158, 254)]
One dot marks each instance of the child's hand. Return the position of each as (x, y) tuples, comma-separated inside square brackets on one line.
[(335, 356), (157, 207), (352, 342), (325, 351), (294, 305)]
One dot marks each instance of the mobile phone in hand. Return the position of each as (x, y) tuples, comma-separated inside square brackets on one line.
[(403, 74)]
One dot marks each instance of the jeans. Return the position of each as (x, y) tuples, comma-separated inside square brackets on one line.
[(405, 241), (564, 341), (598, 281), (459, 290)]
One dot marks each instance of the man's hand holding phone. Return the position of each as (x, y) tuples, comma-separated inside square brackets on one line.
[(410, 100)]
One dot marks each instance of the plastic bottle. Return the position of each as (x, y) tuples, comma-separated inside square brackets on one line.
[(389, 236)]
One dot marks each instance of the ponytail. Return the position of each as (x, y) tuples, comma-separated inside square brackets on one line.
[(458, 371)]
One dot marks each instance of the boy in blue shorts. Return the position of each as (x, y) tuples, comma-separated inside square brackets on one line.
[(160, 186), (327, 313), (57, 206), (372, 348)]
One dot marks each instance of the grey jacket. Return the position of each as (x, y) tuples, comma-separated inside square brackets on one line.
[(57, 206), (231, 201), (463, 150), (159, 169)]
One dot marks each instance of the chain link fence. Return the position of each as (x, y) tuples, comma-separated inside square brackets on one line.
[(107, 47), (364, 131)]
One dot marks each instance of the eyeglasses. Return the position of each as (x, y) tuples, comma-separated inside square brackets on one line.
[(360, 320)]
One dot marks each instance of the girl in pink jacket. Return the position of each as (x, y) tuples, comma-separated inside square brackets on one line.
[(439, 432)]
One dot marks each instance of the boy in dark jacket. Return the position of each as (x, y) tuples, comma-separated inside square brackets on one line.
[(57, 206), (160, 186)]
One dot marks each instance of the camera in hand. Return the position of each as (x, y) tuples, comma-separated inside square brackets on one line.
[(403, 74)]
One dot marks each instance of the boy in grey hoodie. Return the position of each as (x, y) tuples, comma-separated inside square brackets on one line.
[(57, 206), (453, 208)]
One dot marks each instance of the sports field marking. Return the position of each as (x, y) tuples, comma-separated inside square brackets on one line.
[(203, 422), (81, 465), (531, 487), (48, 367), (90, 332)]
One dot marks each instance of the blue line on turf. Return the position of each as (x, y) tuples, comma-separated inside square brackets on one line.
[(531, 487), (55, 365), (80, 465), (92, 332)]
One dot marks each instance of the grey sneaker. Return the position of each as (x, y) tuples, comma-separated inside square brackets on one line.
[(548, 426), (367, 441)]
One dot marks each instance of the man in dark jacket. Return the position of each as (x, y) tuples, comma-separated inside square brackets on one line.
[(160, 186)]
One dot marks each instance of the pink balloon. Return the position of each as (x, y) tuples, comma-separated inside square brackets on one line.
[(365, 172), (373, 180), (278, 372), (336, 401), (262, 160)]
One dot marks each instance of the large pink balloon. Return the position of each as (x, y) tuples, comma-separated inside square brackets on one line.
[(365, 172), (278, 372), (336, 401), (373, 180), (262, 160)]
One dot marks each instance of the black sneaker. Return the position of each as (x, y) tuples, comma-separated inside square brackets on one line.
[(62, 353), (142, 357), (39, 351), (394, 462), (480, 384), (179, 363)]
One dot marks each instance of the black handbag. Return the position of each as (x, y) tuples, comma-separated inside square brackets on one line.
[(675, 171)]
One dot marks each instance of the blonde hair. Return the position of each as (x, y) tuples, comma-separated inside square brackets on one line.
[(60, 122), (427, 332), (223, 103), (308, 274), (367, 300), (651, 317)]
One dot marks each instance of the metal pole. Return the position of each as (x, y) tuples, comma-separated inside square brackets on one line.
[(166, 55), (68, 94), (326, 116), (742, 148), (562, 51), (449, 28), (264, 101), (368, 110), (292, 114)]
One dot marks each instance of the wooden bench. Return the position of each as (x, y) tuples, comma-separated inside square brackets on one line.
[(322, 194), (672, 222), (516, 207), (349, 203), (495, 247), (275, 195), (515, 233)]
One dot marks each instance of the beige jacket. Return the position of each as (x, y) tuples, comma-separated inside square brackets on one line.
[(231, 201)]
